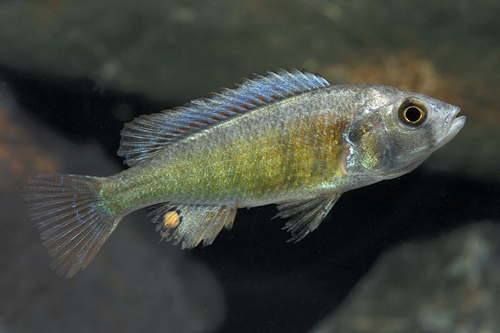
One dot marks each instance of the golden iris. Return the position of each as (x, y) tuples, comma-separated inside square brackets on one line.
[(412, 113)]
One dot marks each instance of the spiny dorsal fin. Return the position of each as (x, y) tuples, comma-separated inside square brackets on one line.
[(148, 134)]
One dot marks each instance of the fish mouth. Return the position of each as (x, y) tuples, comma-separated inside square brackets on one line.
[(452, 125)]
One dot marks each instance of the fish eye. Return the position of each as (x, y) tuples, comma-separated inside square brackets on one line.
[(412, 113)]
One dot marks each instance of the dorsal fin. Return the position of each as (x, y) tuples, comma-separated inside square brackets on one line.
[(146, 135)]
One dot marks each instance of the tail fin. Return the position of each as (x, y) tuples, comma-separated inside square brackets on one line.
[(71, 216)]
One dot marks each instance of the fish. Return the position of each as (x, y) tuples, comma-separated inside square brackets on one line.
[(288, 138)]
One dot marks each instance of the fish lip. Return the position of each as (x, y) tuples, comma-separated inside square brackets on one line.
[(452, 126)]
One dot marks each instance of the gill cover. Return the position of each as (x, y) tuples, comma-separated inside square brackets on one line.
[(370, 141), (390, 138)]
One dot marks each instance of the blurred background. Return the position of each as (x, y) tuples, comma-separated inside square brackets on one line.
[(416, 254)]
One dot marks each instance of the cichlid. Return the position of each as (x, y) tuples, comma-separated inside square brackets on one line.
[(288, 138)]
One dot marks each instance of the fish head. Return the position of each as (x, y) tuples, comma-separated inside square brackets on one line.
[(396, 130)]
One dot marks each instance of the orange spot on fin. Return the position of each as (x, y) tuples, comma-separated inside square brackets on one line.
[(170, 220)]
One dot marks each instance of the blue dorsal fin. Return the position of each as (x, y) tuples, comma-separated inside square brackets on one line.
[(148, 134)]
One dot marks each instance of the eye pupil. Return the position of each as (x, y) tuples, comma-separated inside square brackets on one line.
[(413, 114)]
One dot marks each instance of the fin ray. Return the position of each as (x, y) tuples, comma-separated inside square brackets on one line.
[(148, 134), (193, 224), (306, 214), (71, 217)]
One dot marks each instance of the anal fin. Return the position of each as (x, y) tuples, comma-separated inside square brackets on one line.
[(192, 224), (306, 214)]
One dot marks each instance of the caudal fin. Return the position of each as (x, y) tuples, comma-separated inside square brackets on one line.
[(71, 216)]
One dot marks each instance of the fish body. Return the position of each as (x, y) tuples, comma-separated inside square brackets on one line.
[(288, 138), (281, 151)]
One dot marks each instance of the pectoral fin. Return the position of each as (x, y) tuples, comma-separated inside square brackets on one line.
[(192, 224), (306, 214)]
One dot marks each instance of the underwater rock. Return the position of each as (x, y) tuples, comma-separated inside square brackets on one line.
[(159, 47), (178, 50), (137, 285), (450, 284)]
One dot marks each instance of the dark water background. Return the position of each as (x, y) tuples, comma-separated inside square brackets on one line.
[(73, 72)]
